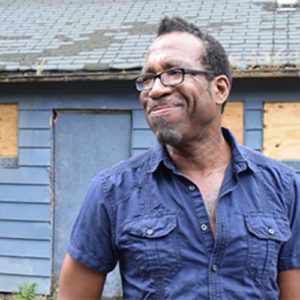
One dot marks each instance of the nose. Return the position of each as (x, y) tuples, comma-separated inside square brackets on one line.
[(159, 90)]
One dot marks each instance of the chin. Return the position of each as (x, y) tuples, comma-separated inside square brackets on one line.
[(168, 136)]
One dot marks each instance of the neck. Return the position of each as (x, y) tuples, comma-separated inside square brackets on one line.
[(203, 156)]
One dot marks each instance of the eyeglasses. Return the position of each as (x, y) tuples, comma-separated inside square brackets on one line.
[(171, 77)]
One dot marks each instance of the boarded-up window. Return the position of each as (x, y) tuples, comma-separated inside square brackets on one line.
[(233, 118), (282, 130), (8, 131)]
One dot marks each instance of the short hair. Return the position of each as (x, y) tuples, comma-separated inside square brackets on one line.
[(214, 58)]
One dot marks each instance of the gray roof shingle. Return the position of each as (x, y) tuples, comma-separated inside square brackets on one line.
[(78, 35)]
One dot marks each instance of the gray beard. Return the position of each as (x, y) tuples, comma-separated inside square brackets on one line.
[(168, 136)]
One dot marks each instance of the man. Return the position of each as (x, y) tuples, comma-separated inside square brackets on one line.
[(199, 216)]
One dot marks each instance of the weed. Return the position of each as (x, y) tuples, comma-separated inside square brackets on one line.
[(27, 292)]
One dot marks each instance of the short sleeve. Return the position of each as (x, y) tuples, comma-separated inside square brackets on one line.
[(290, 253), (91, 237)]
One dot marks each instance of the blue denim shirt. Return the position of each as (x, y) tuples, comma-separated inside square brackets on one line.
[(145, 214)]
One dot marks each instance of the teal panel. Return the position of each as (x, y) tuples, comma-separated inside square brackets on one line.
[(25, 248), (25, 175), (25, 193), (34, 119), (25, 266), (10, 283), (138, 120), (34, 157), (34, 138), (143, 138), (25, 230), (25, 211)]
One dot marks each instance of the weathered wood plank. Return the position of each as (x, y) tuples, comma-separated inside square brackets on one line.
[(25, 248), (25, 266), (233, 118), (34, 138), (25, 230), (34, 157), (8, 129), (282, 130), (25, 193), (25, 175), (25, 211), (10, 283)]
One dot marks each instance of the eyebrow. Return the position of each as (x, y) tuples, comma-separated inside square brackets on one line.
[(168, 65)]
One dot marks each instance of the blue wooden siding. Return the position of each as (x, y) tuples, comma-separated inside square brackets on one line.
[(26, 218), (25, 206)]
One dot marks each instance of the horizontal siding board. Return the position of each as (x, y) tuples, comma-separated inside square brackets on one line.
[(253, 119), (253, 139), (253, 104), (25, 248), (10, 283), (34, 157), (25, 266), (25, 211), (25, 230), (34, 138), (25, 175), (99, 101), (139, 121), (34, 119), (143, 139), (25, 193)]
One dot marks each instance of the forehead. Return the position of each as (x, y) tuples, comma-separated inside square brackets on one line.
[(174, 49)]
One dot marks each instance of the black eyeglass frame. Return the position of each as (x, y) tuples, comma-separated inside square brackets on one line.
[(154, 76)]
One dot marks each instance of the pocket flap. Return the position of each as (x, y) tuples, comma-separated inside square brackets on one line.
[(151, 226), (267, 226)]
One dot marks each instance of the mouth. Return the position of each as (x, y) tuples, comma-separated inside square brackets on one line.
[(163, 109)]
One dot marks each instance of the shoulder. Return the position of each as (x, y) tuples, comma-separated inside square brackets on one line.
[(270, 170), (123, 178), (264, 162)]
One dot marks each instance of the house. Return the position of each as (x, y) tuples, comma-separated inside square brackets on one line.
[(68, 107)]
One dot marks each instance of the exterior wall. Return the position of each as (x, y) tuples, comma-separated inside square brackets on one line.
[(26, 196)]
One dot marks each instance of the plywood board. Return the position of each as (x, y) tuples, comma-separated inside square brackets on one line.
[(8, 130), (282, 130), (233, 118)]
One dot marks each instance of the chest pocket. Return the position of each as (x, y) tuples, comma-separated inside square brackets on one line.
[(150, 241), (266, 234)]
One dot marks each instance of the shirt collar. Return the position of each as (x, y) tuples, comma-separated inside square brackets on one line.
[(240, 162)]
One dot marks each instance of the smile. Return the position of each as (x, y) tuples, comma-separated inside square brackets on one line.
[(163, 109)]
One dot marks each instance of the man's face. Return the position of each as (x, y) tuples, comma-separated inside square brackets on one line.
[(178, 114)]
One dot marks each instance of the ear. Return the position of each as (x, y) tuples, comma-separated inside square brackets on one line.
[(222, 88)]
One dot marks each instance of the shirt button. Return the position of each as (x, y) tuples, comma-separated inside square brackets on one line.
[(271, 231), (149, 231), (203, 227), (214, 268), (191, 187)]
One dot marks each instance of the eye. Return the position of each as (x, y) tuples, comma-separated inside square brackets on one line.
[(146, 78), (174, 73)]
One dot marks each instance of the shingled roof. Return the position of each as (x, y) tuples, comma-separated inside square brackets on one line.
[(88, 36)]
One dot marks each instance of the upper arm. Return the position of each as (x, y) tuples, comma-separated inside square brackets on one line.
[(78, 282), (289, 284)]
